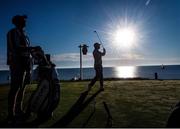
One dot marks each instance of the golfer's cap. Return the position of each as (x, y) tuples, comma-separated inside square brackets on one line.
[(96, 44), (16, 19)]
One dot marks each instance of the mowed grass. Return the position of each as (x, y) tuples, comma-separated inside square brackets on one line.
[(132, 103)]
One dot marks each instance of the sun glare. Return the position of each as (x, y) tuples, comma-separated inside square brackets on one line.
[(125, 71), (124, 37)]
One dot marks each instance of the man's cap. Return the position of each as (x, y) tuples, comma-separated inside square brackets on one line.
[(18, 18), (97, 44)]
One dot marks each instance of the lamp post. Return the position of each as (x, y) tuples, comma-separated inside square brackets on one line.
[(83, 49)]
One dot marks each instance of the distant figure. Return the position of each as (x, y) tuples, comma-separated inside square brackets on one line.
[(162, 66), (155, 76), (97, 66), (19, 61), (8, 78)]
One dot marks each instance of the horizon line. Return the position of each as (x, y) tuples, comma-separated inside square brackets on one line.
[(108, 66)]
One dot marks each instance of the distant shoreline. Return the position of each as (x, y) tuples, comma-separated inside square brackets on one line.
[(112, 66), (106, 79), (168, 72)]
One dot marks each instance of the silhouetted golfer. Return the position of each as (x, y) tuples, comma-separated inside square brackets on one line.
[(97, 66), (19, 61)]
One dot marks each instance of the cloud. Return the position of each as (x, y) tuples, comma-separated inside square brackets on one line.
[(148, 2), (71, 60), (125, 56), (88, 57), (122, 59), (70, 57)]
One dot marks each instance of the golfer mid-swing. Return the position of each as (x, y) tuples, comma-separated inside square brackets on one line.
[(97, 66)]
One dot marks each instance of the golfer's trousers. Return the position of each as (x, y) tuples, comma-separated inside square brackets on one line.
[(20, 76), (99, 75)]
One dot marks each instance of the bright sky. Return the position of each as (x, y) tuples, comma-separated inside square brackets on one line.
[(59, 26)]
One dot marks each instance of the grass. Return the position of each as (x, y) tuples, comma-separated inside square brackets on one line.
[(132, 103)]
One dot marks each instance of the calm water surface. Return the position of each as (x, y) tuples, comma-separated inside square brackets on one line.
[(169, 72)]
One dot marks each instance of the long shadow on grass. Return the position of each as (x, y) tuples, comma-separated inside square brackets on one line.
[(75, 110)]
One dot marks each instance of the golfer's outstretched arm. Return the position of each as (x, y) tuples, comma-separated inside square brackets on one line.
[(104, 52)]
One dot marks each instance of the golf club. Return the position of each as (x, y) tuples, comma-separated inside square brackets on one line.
[(99, 38)]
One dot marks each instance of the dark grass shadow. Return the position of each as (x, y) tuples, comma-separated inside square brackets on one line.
[(174, 118), (4, 124), (4, 99), (75, 110), (35, 123)]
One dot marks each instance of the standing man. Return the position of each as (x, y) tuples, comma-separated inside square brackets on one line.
[(97, 66), (19, 61)]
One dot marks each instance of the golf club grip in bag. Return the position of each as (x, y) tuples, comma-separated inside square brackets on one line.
[(47, 95)]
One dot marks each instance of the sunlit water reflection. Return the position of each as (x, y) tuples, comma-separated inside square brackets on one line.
[(169, 72), (125, 71)]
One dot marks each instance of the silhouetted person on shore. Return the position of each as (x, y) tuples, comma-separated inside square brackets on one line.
[(19, 61), (97, 66)]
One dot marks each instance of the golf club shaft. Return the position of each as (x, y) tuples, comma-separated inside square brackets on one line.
[(99, 38)]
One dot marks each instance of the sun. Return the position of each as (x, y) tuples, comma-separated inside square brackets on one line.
[(125, 37)]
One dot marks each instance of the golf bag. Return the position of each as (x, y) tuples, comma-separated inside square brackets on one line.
[(46, 97)]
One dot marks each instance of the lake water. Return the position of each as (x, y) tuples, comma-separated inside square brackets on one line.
[(169, 72)]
